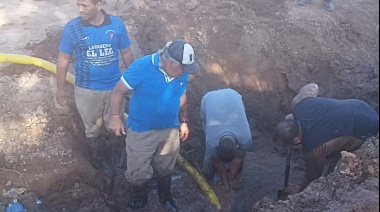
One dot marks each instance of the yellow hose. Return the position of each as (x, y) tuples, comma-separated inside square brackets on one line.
[(28, 60), (205, 187)]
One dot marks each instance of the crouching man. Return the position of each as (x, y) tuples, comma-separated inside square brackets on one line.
[(227, 132), (324, 127)]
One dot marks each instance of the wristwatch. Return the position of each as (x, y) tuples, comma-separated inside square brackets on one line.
[(185, 120)]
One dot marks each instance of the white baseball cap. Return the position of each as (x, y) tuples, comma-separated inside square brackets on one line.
[(183, 53)]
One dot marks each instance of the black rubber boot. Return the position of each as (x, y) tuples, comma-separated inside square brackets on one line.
[(164, 194), (140, 199), (97, 146), (121, 154)]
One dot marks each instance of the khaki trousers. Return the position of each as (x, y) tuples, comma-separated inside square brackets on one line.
[(151, 152), (94, 109)]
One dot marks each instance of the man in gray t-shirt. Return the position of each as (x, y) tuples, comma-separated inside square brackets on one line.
[(227, 132)]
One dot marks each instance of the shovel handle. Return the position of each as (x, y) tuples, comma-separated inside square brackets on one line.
[(280, 193), (287, 168)]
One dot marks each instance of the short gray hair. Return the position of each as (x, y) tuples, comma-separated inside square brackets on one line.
[(285, 131)]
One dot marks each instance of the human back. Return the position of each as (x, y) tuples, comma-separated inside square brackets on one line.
[(324, 119), (223, 111)]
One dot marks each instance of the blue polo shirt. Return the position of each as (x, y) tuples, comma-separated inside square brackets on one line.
[(324, 119), (96, 51), (155, 100)]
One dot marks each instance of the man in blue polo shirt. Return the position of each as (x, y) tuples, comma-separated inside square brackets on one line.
[(324, 127), (95, 38), (157, 118), (228, 135)]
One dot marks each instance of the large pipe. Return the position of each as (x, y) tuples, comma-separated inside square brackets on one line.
[(28, 60)]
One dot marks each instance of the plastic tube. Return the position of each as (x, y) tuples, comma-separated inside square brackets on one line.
[(28, 60), (205, 187)]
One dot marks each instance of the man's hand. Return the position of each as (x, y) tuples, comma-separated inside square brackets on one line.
[(221, 170), (232, 180), (184, 131), (226, 181), (61, 97), (292, 189), (116, 125)]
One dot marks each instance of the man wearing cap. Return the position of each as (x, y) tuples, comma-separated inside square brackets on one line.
[(157, 118), (227, 132), (324, 127)]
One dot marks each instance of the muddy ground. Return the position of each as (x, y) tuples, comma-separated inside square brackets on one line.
[(266, 50)]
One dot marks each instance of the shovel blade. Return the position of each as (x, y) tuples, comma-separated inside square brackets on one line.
[(281, 195)]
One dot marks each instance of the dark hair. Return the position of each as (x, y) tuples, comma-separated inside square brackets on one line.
[(227, 148), (285, 131)]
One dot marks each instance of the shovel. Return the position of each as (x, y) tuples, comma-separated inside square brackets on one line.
[(280, 193)]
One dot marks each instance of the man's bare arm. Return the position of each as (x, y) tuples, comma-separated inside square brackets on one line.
[(62, 68), (183, 106), (315, 163), (221, 170), (184, 128), (117, 96), (237, 163), (127, 56)]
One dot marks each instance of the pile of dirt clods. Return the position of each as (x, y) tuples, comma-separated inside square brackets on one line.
[(353, 186)]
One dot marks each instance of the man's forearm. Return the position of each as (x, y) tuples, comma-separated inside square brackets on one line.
[(61, 77), (62, 67), (183, 107), (127, 56), (221, 170), (236, 165), (315, 163), (312, 173), (117, 96)]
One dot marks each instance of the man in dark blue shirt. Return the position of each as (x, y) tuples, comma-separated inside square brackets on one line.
[(325, 127)]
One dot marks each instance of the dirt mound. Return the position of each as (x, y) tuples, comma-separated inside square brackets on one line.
[(353, 186)]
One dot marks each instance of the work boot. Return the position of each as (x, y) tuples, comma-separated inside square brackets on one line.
[(164, 194), (309, 90), (140, 197), (327, 4), (96, 146), (121, 154)]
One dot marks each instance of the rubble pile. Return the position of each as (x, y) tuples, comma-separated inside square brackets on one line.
[(353, 186)]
